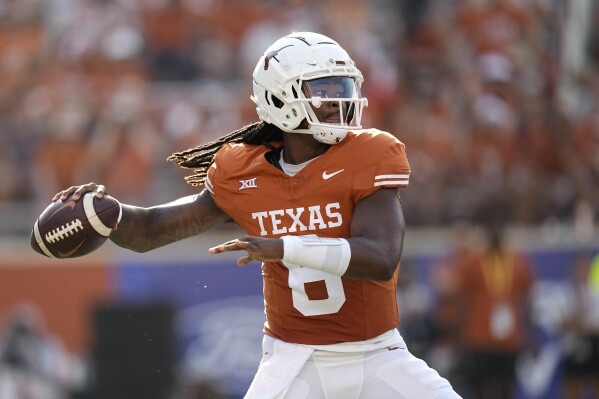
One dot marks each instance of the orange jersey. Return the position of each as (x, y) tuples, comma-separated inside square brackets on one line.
[(303, 305)]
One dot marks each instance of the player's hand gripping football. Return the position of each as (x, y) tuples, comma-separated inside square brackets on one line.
[(77, 222), (78, 191), (259, 249)]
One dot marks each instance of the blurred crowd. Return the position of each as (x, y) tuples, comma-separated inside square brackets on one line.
[(490, 317), (496, 100)]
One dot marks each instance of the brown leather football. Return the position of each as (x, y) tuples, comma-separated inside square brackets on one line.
[(68, 229)]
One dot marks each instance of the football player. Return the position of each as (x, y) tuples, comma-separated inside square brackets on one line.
[(318, 198)]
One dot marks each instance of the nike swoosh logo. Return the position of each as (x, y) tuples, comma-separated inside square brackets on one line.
[(71, 204), (327, 176), (72, 251)]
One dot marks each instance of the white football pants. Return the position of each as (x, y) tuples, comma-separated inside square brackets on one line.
[(292, 371)]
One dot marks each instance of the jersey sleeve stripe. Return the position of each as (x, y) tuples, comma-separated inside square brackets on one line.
[(403, 176), (208, 185), (403, 182)]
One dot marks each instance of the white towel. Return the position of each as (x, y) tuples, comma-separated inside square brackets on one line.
[(276, 372)]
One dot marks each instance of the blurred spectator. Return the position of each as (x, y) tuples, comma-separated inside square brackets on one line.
[(491, 288), (494, 126), (282, 17), (581, 331), (585, 148), (493, 109), (464, 244), (33, 362), (415, 310), (121, 136), (496, 25), (97, 29), (63, 148), (169, 31)]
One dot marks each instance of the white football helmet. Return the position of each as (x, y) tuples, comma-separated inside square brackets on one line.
[(306, 69)]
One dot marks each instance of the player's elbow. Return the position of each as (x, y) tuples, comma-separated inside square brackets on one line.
[(388, 261), (383, 267), (373, 260), (386, 271)]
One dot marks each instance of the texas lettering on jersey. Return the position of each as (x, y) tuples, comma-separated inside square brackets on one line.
[(319, 200), (284, 221)]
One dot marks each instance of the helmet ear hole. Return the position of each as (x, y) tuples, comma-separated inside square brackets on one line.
[(276, 102), (272, 100)]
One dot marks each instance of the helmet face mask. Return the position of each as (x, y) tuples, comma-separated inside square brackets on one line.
[(308, 76)]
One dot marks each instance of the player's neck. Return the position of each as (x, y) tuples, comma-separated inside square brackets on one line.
[(299, 148)]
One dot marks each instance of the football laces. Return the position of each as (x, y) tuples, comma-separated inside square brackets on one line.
[(64, 231)]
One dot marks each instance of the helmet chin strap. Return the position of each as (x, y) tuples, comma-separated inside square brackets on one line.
[(328, 134)]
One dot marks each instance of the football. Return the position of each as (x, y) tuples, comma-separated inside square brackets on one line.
[(68, 229)]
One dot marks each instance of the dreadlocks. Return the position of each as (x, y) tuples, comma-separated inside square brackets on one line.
[(200, 158)]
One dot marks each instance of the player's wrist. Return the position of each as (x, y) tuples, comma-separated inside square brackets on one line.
[(330, 255)]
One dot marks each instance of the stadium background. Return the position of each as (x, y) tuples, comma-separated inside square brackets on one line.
[(496, 101)]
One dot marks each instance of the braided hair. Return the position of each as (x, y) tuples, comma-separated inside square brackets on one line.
[(201, 157)]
